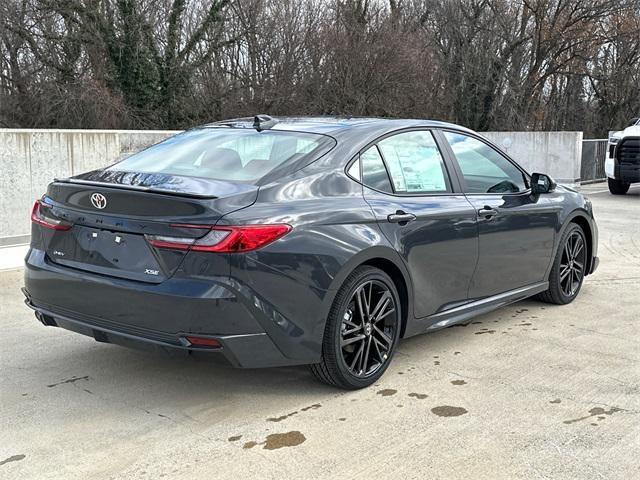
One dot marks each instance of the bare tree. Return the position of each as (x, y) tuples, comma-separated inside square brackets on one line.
[(487, 64)]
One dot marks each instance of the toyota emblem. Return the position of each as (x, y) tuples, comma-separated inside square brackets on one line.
[(98, 200)]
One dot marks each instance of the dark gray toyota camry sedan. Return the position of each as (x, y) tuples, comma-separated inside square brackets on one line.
[(319, 241)]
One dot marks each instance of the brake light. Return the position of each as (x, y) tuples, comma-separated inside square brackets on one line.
[(39, 216), (233, 239)]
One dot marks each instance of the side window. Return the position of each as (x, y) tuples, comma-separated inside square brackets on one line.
[(354, 170), (483, 168), (415, 163), (374, 173)]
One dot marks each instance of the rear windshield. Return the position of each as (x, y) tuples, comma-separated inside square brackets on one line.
[(226, 154)]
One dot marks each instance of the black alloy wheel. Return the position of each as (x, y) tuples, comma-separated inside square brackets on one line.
[(572, 264), (362, 330), (368, 328), (569, 267)]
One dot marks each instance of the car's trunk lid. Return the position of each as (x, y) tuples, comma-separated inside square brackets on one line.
[(111, 214)]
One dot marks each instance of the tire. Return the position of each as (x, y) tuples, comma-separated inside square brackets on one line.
[(562, 288), (349, 335), (616, 187)]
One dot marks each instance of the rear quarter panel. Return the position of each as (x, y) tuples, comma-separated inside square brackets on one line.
[(292, 282)]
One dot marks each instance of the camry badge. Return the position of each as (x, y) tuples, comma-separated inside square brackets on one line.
[(98, 200)]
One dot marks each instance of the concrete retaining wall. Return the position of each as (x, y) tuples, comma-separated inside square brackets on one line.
[(555, 153), (30, 159)]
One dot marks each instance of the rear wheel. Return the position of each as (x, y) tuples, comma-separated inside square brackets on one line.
[(617, 187), (362, 330), (568, 268)]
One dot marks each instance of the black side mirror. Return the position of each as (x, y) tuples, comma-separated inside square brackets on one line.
[(633, 121), (541, 183)]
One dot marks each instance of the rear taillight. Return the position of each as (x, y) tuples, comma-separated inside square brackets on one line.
[(39, 216), (223, 239)]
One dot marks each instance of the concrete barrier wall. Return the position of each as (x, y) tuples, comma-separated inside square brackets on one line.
[(555, 153), (30, 159)]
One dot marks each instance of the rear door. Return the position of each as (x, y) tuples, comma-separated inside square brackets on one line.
[(516, 229), (408, 186)]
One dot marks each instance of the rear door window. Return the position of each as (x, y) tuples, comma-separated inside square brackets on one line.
[(374, 173), (415, 163)]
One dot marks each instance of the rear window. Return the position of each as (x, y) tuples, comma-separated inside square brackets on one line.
[(226, 154)]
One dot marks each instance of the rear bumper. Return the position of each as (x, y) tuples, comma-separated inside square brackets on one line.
[(249, 350), (157, 316)]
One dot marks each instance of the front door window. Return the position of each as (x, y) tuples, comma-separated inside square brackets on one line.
[(484, 169)]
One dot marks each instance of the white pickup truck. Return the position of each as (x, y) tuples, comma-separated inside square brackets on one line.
[(622, 164)]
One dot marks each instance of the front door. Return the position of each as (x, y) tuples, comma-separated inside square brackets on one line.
[(516, 229)]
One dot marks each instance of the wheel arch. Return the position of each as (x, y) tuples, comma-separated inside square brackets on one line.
[(583, 223), (387, 260), (581, 218), (399, 281)]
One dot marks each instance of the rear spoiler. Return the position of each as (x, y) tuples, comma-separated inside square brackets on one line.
[(162, 191)]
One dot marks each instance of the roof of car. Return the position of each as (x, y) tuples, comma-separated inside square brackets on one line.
[(335, 125)]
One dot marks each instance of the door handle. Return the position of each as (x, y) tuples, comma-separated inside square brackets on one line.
[(487, 212), (401, 217)]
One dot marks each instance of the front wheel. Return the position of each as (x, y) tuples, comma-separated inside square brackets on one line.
[(362, 330), (617, 187), (567, 273)]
